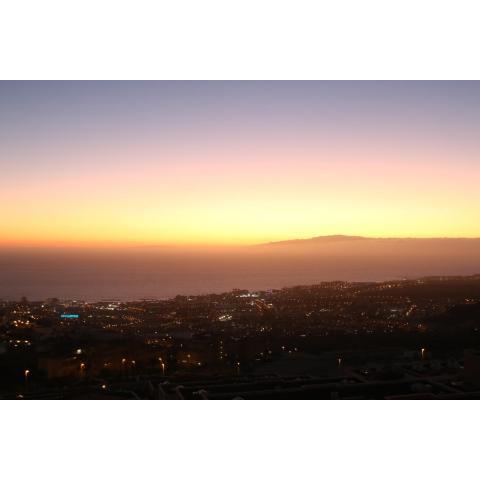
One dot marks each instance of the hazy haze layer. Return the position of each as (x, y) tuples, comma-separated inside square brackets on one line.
[(162, 272)]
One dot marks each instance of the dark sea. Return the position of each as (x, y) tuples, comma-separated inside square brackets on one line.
[(162, 273)]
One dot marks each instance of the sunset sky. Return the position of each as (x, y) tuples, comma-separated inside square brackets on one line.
[(147, 163)]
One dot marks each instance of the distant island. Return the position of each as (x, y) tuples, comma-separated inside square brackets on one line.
[(326, 239)]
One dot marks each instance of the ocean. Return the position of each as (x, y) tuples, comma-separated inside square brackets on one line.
[(133, 274)]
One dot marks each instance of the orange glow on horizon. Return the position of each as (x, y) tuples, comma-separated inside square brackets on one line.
[(127, 164), (246, 200)]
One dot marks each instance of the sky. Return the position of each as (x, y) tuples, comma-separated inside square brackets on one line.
[(236, 163)]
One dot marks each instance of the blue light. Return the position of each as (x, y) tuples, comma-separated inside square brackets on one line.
[(69, 315)]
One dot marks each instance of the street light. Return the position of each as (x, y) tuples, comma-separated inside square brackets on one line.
[(162, 365), (26, 374)]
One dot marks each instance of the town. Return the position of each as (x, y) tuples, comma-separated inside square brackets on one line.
[(398, 339)]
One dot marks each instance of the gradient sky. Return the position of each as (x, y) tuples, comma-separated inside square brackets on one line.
[(116, 163)]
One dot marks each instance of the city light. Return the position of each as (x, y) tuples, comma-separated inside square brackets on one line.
[(302, 329)]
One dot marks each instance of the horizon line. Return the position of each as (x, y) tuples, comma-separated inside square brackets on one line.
[(142, 245)]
